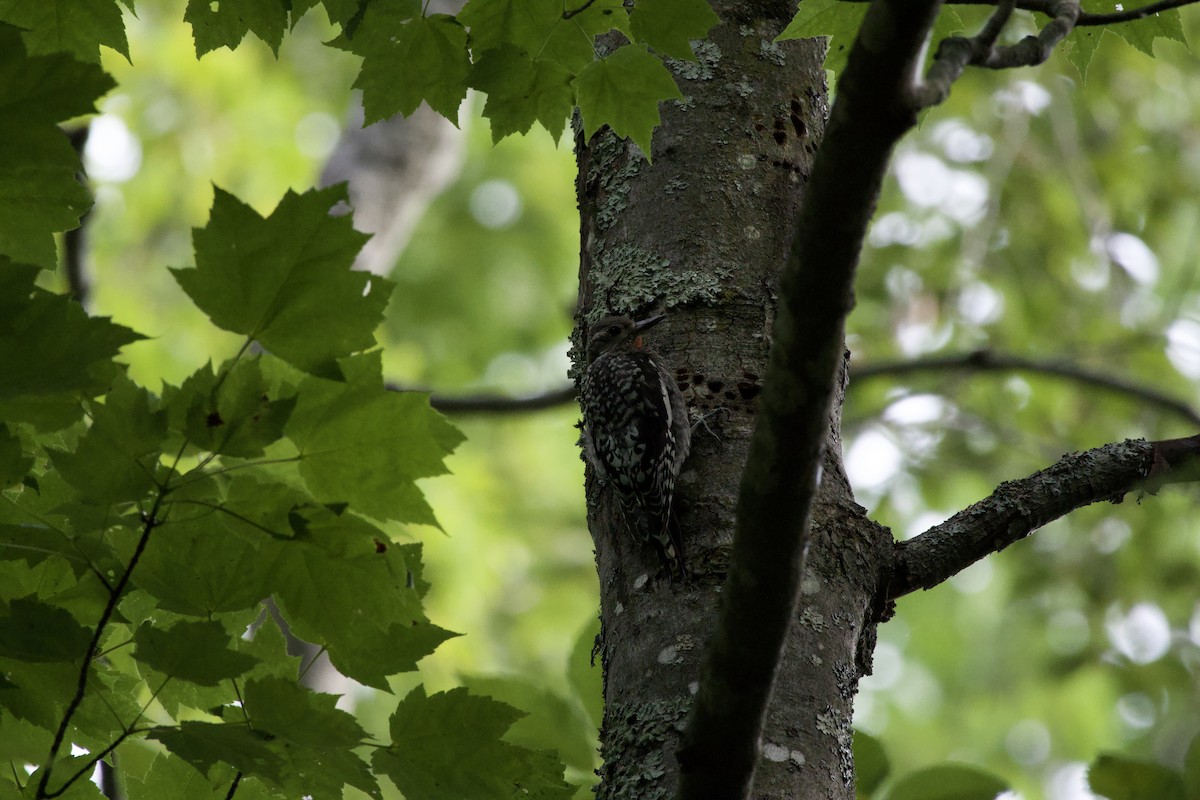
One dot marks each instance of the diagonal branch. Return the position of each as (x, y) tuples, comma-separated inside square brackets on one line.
[(720, 746), (1017, 508), (991, 361)]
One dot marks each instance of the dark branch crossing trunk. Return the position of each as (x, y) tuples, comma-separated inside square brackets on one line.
[(707, 232)]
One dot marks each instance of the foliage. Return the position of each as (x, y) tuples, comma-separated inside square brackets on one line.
[(140, 534), (1030, 270), (142, 531), (839, 22)]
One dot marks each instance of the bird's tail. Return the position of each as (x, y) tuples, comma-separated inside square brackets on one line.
[(654, 523)]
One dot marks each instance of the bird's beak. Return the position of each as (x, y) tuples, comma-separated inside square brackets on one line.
[(649, 322)]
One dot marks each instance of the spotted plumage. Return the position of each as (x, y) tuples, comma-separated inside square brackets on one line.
[(636, 432)]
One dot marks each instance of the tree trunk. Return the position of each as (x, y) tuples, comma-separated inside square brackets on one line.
[(703, 231)]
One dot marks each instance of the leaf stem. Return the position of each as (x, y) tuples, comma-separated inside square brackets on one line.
[(150, 522), (233, 786), (91, 763), (309, 665), (233, 363)]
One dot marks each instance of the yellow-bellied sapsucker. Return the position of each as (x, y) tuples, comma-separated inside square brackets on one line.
[(636, 431)]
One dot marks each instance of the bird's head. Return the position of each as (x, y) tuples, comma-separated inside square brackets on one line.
[(619, 333)]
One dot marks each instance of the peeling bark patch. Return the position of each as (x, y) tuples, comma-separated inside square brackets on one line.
[(774, 752), (634, 736), (669, 655), (674, 186), (607, 184), (770, 51), (813, 619), (640, 581), (708, 55), (629, 278)]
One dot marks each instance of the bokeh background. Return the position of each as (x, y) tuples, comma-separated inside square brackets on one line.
[(1033, 215)]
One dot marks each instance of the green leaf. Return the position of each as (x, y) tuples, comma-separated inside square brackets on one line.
[(448, 746), (296, 740), (345, 586), (948, 782), (31, 630), (1082, 42), (39, 192), (286, 280), (543, 30), (65, 766), (623, 91), (38, 691), (77, 27), (193, 651), (1191, 769), (521, 91), (585, 675), (367, 446), (14, 464), (669, 25), (175, 778), (204, 744), (339, 11), (233, 414), (1120, 778), (871, 764), (204, 560), (318, 738), (831, 18), (226, 23), (269, 647), (51, 351), (407, 60), (551, 722), (115, 460)]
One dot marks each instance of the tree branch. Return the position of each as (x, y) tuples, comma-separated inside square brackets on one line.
[(149, 523), (1085, 18), (720, 746), (989, 361), (956, 53), (500, 404), (1017, 508), (974, 361)]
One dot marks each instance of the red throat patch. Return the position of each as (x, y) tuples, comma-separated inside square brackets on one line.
[(638, 343)]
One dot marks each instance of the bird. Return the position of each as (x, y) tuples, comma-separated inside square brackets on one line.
[(635, 431)]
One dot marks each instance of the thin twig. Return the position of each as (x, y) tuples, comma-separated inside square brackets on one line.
[(1085, 18), (233, 786), (149, 524), (989, 361), (1132, 14), (91, 763), (577, 11)]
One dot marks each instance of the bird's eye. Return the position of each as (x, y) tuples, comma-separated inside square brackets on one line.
[(613, 330)]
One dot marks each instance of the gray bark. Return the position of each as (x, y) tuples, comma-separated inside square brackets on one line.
[(704, 231)]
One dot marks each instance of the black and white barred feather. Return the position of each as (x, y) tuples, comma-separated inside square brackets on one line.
[(636, 432)]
